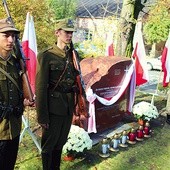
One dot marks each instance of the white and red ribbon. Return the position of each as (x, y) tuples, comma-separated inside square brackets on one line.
[(91, 97)]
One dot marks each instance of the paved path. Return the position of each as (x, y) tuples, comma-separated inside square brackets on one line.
[(150, 87)]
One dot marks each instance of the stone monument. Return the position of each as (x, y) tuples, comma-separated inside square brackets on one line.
[(105, 76)]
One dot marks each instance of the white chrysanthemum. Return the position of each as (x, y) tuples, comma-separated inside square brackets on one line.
[(145, 110), (78, 140)]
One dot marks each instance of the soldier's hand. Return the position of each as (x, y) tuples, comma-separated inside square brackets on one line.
[(28, 102), (46, 126)]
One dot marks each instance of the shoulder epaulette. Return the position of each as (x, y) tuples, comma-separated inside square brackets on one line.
[(44, 51)]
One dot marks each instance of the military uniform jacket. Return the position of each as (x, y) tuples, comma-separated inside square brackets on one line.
[(10, 126), (51, 64)]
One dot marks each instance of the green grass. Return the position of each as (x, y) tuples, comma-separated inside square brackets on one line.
[(151, 154)]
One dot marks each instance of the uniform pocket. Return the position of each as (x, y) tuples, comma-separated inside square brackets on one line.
[(55, 71), (57, 67)]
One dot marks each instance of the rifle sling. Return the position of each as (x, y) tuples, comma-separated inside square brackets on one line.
[(13, 81), (77, 67)]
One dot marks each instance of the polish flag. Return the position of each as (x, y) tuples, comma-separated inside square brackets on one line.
[(139, 55), (29, 46), (165, 59), (109, 44), (132, 91)]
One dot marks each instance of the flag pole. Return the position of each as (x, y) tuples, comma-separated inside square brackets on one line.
[(25, 121), (30, 49), (165, 65)]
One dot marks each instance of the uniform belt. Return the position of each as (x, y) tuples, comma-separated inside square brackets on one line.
[(63, 90), (10, 108), (66, 90), (6, 110)]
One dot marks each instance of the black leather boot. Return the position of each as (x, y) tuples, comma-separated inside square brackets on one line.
[(56, 159), (168, 119)]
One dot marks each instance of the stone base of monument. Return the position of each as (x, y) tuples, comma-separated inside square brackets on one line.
[(110, 132)]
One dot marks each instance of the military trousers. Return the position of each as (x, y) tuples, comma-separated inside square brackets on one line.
[(54, 138), (8, 153)]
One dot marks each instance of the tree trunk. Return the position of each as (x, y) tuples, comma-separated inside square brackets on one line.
[(129, 15), (153, 50)]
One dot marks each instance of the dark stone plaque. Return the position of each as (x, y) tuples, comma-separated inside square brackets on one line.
[(105, 76)]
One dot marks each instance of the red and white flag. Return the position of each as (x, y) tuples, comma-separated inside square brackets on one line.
[(139, 55), (29, 46), (165, 59), (109, 44), (132, 91)]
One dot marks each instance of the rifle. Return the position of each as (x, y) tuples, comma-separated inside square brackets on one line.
[(81, 107), (81, 114), (27, 92)]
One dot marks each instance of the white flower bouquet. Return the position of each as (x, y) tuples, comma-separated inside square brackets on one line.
[(145, 111), (78, 140)]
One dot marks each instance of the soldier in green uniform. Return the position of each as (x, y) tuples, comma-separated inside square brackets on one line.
[(55, 86), (11, 97)]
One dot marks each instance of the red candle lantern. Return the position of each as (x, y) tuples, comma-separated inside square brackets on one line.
[(140, 133), (147, 130), (132, 136)]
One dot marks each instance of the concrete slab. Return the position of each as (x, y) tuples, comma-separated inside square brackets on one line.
[(119, 128)]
